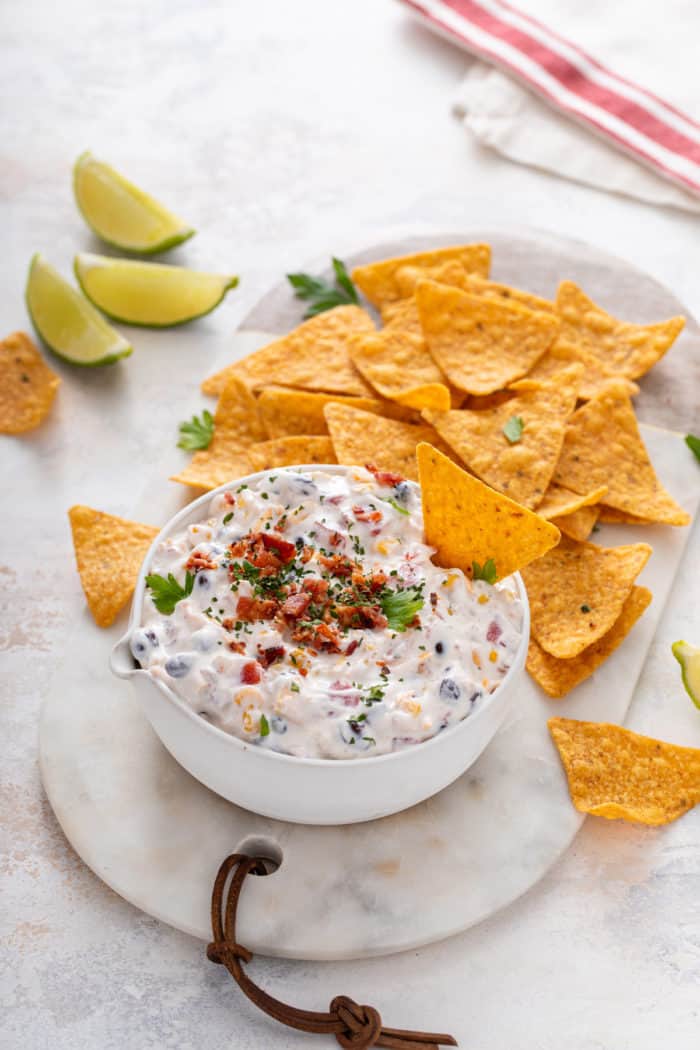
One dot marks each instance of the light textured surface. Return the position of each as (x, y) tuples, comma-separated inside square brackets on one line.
[(283, 133)]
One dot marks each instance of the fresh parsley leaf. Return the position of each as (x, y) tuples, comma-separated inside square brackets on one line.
[(513, 429), (395, 505), (693, 444), (487, 571), (166, 593), (319, 294), (264, 726), (198, 433), (227, 517), (400, 607)]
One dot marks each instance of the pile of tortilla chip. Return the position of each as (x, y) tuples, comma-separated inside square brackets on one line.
[(529, 397)]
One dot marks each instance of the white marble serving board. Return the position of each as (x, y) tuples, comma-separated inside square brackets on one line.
[(156, 835)]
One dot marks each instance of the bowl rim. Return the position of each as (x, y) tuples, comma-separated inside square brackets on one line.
[(266, 754)]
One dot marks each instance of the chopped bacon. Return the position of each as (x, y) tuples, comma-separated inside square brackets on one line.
[(377, 580), (336, 564), (384, 477), (294, 607), (362, 514), (323, 636), (360, 616), (251, 673), (336, 539), (235, 647), (307, 554), (317, 588), (251, 609), (271, 655), (229, 499), (282, 548), (352, 647), (198, 561)]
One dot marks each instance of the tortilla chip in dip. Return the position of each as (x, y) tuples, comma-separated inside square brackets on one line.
[(467, 522)]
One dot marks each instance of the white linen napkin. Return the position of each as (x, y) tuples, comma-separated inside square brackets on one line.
[(602, 93)]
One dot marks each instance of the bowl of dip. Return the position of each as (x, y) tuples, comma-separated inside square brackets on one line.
[(296, 650)]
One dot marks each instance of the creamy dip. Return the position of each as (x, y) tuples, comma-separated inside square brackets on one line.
[(304, 615)]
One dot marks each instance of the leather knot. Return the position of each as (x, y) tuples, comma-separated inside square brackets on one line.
[(217, 952), (363, 1025)]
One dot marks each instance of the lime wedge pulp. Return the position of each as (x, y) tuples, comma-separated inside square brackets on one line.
[(688, 657), (66, 321), (149, 294), (120, 213)]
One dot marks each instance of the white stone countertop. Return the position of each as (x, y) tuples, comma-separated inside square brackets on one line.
[(283, 131)]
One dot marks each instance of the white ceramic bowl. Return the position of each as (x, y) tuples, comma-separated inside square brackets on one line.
[(308, 790)]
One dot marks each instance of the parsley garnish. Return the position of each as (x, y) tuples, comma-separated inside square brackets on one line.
[(374, 695), (294, 686), (513, 429), (198, 433), (400, 607), (321, 295), (264, 726), (228, 517), (585, 608), (167, 593), (693, 444), (487, 571), (395, 505)]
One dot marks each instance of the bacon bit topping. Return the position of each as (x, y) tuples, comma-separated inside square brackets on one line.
[(336, 539), (198, 561), (362, 514), (229, 499), (323, 636), (271, 655), (433, 599), (317, 588), (251, 673), (352, 646), (235, 647), (272, 541), (384, 477), (337, 564), (360, 616), (494, 632), (251, 609), (294, 607)]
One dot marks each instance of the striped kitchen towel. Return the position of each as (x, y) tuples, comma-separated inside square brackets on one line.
[(638, 95)]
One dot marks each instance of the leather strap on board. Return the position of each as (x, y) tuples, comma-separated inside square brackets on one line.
[(354, 1026)]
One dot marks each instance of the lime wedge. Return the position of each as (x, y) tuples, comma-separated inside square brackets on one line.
[(688, 657), (149, 294), (122, 214), (66, 321)]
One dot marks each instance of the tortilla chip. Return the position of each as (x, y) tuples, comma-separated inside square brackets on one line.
[(397, 364), (297, 450), (287, 411), (360, 438), (313, 356), (391, 279), (28, 385), (493, 290), (558, 500), (558, 677), (577, 592), (481, 344), (577, 525), (109, 552), (620, 775), (521, 470), (466, 521), (237, 426), (595, 377), (626, 349), (602, 446), (403, 314), (612, 516)]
